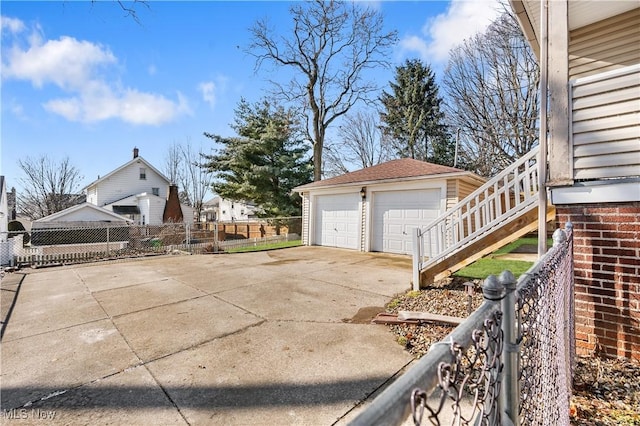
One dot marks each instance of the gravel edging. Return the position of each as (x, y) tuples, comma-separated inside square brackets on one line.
[(606, 391)]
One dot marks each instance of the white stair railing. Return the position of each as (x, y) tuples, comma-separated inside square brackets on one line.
[(508, 195)]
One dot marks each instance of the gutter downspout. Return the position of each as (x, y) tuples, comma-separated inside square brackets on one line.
[(542, 160)]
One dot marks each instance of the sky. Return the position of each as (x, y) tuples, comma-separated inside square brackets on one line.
[(83, 80)]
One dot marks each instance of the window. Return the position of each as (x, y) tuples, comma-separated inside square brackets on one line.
[(143, 173), (155, 191)]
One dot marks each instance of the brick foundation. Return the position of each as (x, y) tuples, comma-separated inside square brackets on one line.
[(607, 277)]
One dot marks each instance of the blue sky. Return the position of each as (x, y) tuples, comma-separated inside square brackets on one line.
[(80, 79)]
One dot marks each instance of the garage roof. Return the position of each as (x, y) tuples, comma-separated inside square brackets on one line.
[(402, 169)]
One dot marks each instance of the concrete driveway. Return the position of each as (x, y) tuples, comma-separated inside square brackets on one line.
[(278, 337)]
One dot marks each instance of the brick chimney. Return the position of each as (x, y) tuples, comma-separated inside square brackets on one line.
[(135, 152), (172, 211)]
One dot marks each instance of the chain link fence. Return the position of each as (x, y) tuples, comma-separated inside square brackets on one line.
[(508, 363), (90, 241)]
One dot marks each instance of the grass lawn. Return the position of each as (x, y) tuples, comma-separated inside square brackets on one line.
[(270, 246), (511, 247), (482, 268), (488, 265)]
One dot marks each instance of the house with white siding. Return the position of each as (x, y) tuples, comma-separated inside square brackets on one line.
[(220, 209), (4, 211), (136, 192)]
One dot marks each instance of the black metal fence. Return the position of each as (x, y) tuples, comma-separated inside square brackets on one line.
[(510, 362)]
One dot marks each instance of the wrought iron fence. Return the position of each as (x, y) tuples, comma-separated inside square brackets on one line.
[(87, 242), (509, 362)]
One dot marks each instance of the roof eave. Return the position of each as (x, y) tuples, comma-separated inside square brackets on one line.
[(526, 25), (306, 188), (133, 160)]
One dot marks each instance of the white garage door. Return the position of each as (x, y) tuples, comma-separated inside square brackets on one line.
[(396, 213), (337, 221)]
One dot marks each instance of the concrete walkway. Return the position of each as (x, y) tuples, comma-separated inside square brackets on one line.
[(257, 338)]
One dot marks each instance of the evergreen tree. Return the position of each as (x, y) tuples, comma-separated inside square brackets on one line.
[(264, 162), (412, 117)]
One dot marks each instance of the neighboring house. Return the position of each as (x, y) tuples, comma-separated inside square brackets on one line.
[(6, 247), (136, 190), (79, 214), (593, 73), (376, 208), (4, 210), (83, 227), (11, 204), (219, 209)]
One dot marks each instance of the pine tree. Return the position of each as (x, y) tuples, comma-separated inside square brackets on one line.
[(413, 119), (264, 162)]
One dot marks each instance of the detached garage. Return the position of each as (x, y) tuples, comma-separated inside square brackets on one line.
[(375, 209)]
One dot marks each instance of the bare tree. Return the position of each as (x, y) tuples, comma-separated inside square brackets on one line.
[(492, 91), (173, 162), (183, 166), (329, 47), (48, 186), (361, 144), (130, 8), (196, 178)]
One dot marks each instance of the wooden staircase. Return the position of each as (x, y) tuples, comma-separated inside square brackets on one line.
[(499, 212)]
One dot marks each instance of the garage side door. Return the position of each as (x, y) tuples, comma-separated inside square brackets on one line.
[(396, 213), (336, 223)]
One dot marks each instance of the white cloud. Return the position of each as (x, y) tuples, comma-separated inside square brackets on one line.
[(208, 91), (13, 25), (415, 44), (462, 20), (71, 109), (212, 91), (85, 71), (67, 62), (101, 102)]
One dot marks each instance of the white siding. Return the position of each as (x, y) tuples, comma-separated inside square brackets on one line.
[(4, 211), (305, 218), (85, 215), (152, 208), (606, 125), (232, 210), (127, 182), (606, 45), (92, 195)]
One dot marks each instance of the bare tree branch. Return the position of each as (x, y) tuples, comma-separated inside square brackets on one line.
[(362, 144), (183, 166), (331, 44), (48, 186), (492, 91)]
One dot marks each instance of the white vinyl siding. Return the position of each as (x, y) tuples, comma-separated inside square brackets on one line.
[(606, 125), (397, 213), (606, 45), (127, 182), (336, 220), (305, 218)]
